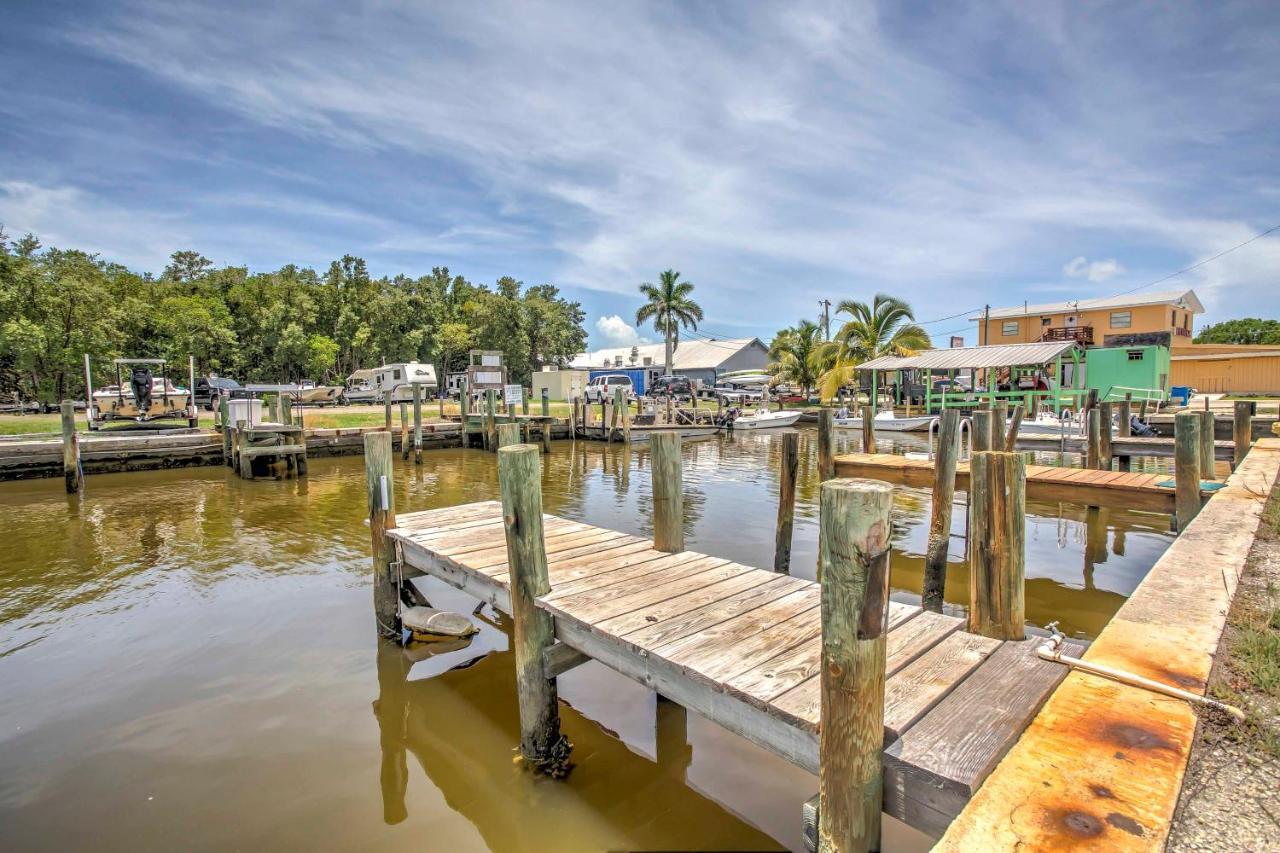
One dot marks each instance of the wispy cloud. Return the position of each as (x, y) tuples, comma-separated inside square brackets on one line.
[(613, 331), (1095, 271)]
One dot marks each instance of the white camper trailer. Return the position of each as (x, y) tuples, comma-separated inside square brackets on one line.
[(398, 381)]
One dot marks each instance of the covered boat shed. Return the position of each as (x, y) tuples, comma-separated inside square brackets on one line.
[(1024, 365)]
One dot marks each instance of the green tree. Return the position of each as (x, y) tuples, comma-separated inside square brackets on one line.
[(669, 307), (1249, 330), (795, 355), (886, 326)]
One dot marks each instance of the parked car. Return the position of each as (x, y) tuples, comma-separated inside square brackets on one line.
[(671, 386), (601, 387), (735, 395), (210, 389), (951, 386)]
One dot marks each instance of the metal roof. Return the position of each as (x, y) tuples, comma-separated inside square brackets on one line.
[(999, 355), (1182, 298), (689, 355)]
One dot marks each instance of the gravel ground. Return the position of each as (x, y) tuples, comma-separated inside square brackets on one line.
[(1231, 795)]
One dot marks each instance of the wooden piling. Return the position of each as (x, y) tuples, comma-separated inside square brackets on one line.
[(1124, 427), (1208, 446), (999, 416), (386, 404), (224, 415), (980, 430), (546, 403), (237, 442), (524, 401), (542, 745), (1186, 466), (868, 429), (789, 462), (1241, 432), (854, 555), (404, 430), (997, 531), (508, 434), (71, 449), (826, 444), (1093, 450), (944, 489), (491, 419), (1104, 436), (1015, 424), (417, 424), (382, 517), (668, 491)]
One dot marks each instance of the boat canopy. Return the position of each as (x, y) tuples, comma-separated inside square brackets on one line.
[(983, 357)]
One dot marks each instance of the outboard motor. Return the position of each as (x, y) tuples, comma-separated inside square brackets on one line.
[(1139, 428), (140, 382)]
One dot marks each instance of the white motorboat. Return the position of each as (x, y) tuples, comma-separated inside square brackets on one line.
[(887, 421), (763, 419)]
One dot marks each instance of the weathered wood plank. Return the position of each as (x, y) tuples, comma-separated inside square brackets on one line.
[(923, 682), (707, 616)]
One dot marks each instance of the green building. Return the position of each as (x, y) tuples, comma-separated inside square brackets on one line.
[(1142, 371)]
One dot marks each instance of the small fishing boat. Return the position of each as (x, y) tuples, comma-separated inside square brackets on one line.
[(764, 419), (360, 388), (887, 421), (311, 394)]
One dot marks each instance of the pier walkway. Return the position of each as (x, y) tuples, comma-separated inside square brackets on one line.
[(742, 647), (1044, 483)]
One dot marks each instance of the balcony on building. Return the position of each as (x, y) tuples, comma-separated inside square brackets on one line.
[(1079, 334)]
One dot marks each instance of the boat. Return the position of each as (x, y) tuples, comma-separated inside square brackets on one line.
[(311, 394), (359, 388), (887, 421), (764, 419), (642, 433), (116, 402)]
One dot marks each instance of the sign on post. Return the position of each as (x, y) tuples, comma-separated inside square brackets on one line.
[(514, 394)]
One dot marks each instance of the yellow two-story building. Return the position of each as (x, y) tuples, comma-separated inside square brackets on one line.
[(1163, 318)]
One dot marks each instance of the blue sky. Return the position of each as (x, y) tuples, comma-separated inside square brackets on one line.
[(776, 154)]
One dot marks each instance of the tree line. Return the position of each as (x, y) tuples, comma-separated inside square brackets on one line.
[(282, 326)]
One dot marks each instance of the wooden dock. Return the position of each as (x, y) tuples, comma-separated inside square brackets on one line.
[(742, 647), (1044, 483), (1132, 446)]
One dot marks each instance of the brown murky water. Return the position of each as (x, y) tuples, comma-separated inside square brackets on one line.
[(188, 661)]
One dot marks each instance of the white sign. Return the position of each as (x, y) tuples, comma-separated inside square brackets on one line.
[(515, 394), (488, 377), (490, 361)]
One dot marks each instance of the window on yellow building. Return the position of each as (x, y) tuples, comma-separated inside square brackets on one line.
[(1009, 328), (1121, 319), (1046, 321)]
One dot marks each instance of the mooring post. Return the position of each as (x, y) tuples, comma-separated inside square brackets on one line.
[(622, 412), (980, 431), (997, 528), (440, 398), (1208, 443), (491, 413), (193, 412), (1015, 424), (71, 448), (853, 549), (382, 517), (790, 460), (999, 414), (508, 434), (224, 415), (868, 428), (826, 444), (944, 490), (546, 403), (1124, 428), (520, 477), (417, 424), (1186, 466), (237, 441), (386, 404), (1104, 436), (404, 429), (1093, 449), (668, 491), (1241, 432)]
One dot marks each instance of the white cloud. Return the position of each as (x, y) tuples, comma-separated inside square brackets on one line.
[(1095, 271), (613, 331)]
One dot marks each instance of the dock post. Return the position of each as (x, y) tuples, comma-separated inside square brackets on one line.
[(853, 549), (997, 526), (980, 431), (382, 517), (520, 476), (1104, 436), (1208, 445), (193, 413), (224, 415), (524, 401), (491, 417), (944, 491), (668, 491), (508, 434), (1093, 450), (790, 442), (417, 424), (404, 430), (1186, 466), (546, 402), (71, 449), (237, 441), (1124, 428), (1015, 424), (386, 403), (440, 398), (622, 413), (826, 444), (1242, 432), (868, 429), (999, 415)]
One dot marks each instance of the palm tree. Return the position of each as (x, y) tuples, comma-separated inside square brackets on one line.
[(794, 353), (669, 307), (885, 327)]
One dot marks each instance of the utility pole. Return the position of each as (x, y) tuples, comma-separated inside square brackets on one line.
[(826, 318)]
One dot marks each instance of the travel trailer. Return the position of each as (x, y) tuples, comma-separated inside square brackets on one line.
[(398, 380)]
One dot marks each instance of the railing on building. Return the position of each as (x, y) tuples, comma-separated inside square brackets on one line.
[(1079, 334)]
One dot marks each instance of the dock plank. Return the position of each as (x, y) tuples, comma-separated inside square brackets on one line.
[(712, 613)]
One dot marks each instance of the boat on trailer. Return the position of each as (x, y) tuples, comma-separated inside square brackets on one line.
[(887, 421)]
